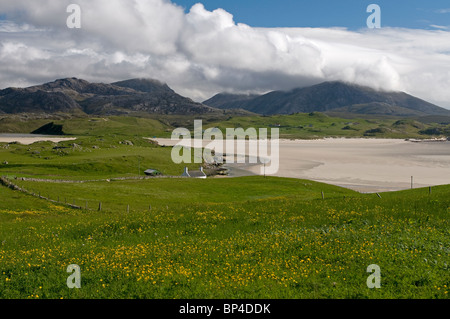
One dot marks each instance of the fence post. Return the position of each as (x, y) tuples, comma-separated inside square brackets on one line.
[(99, 206), (128, 208), (323, 195)]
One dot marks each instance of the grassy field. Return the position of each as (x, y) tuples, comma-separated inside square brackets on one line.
[(318, 125), (210, 239), (88, 158), (300, 125), (247, 237)]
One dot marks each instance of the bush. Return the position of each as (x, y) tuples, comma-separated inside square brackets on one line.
[(432, 131)]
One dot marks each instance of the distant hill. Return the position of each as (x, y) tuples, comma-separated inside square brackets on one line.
[(28, 101), (77, 96), (145, 85), (230, 101), (149, 96), (336, 97), (49, 129)]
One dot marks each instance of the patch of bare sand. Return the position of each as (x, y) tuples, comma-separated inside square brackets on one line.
[(27, 140), (365, 165)]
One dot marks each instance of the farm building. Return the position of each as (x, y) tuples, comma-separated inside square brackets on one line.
[(152, 172), (194, 174)]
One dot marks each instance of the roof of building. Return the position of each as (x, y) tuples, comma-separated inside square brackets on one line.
[(197, 174), (151, 171)]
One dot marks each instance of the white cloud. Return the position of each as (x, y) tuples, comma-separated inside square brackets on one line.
[(446, 10), (205, 52), (442, 27), (8, 26)]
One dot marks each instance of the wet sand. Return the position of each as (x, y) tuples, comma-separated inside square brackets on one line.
[(365, 165), (27, 139)]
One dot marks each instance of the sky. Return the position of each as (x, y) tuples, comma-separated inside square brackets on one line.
[(254, 46), (330, 13)]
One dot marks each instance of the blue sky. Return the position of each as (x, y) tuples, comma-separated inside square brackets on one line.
[(350, 14)]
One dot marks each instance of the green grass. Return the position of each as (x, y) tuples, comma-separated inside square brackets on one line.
[(179, 191), (298, 126), (278, 239), (90, 126), (91, 158), (318, 125)]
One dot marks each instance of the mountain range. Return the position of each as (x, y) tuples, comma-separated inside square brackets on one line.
[(148, 96), (77, 96), (333, 97)]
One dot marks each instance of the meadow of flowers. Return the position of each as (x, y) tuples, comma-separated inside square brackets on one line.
[(276, 247)]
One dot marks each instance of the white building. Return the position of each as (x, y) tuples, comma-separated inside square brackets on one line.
[(194, 174)]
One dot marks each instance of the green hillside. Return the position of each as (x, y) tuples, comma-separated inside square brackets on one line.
[(209, 239), (295, 126)]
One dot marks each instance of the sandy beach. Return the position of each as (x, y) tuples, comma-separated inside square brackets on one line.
[(27, 139), (365, 165)]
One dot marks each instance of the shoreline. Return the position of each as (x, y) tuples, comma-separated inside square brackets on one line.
[(28, 139), (362, 164)]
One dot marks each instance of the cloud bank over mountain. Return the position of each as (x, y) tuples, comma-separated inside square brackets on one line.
[(201, 53)]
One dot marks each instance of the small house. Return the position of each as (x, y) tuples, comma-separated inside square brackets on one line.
[(194, 174), (151, 172)]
